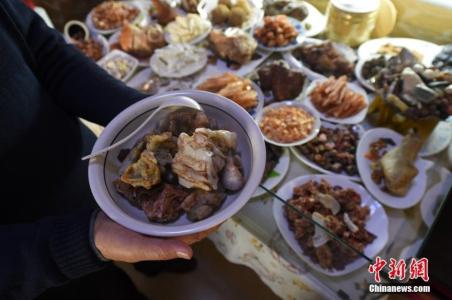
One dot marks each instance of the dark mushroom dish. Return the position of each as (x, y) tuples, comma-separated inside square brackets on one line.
[(184, 166), (334, 149), (335, 208)]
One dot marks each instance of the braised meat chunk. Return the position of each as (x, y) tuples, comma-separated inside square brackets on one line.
[(200, 204), (166, 206)]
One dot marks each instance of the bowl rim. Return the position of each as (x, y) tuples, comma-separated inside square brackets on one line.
[(96, 170)]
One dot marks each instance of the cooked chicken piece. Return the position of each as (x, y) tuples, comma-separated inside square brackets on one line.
[(144, 172), (201, 157), (164, 13), (232, 177), (166, 206), (234, 45), (398, 165), (200, 205), (141, 42)]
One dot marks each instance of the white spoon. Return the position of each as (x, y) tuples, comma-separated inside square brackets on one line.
[(173, 103)]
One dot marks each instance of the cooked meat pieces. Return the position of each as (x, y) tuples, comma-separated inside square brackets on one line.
[(325, 59), (136, 195), (200, 204), (285, 84), (348, 223), (141, 42), (166, 207), (232, 176), (200, 157), (184, 120), (273, 153), (228, 85), (144, 172), (233, 45)]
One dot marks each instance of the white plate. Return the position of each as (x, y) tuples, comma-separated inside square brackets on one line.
[(292, 45), (377, 222), (300, 156), (315, 19), (315, 129), (89, 21), (348, 52), (430, 204), (205, 7), (196, 39), (121, 54), (104, 169), (187, 71), (358, 118), (359, 73), (418, 184), (427, 49), (281, 168)]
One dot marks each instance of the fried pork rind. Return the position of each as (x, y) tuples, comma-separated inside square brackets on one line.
[(232, 87), (333, 98), (200, 157), (144, 172)]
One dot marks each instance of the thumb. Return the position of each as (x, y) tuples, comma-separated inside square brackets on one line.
[(165, 249)]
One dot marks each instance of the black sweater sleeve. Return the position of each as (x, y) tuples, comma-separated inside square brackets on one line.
[(78, 85), (44, 254)]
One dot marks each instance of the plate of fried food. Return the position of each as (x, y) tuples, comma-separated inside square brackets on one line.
[(342, 206), (390, 167), (333, 150), (188, 29), (188, 171), (109, 16), (280, 81), (277, 165), (337, 100), (279, 33), (235, 50), (178, 60), (288, 123), (242, 91), (138, 41), (231, 13), (323, 59)]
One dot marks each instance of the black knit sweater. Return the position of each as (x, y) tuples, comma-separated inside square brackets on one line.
[(45, 203)]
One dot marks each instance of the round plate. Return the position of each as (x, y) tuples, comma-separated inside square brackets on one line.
[(205, 7), (312, 75), (359, 73), (418, 184), (427, 49), (173, 85), (104, 169), (281, 169), (293, 44), (187, 71), (120, 54), (358, 118), (90, 24), (315, 129), (300, 156), (196, 39), (377, 222)]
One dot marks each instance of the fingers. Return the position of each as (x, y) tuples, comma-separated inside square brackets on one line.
[(164, 249)]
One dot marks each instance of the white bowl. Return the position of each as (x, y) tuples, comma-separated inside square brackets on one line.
[(104, 169), (355, 119), (314, 132), (418, 185), (377, 222), (119, 53)]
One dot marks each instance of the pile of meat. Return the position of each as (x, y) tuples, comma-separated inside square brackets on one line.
[(335, 208), (278, 78), (233, 45), (141, 41), (184, 166)]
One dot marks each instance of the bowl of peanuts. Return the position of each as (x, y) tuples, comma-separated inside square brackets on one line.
[(288, 123), (279, 33)]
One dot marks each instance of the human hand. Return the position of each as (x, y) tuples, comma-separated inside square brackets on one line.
[(118, 243)]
